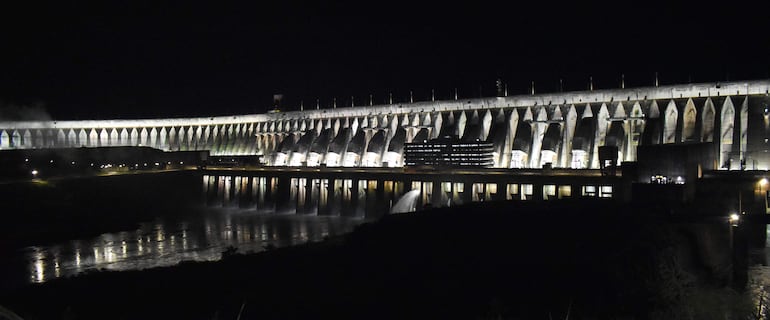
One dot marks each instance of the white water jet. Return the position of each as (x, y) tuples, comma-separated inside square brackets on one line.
[(407, 202)]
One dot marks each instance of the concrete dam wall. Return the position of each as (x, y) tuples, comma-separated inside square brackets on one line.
[(528, 131)]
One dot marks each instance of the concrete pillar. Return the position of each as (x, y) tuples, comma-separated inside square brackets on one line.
[(501, 191), (437, 194), (310, 203), (537, 191), (283, 194), (269, 200), (351, 209)]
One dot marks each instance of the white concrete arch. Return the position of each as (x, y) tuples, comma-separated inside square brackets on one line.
[(224, 139), (497, 135), (123, 137), (392, 127), (133, 137), (528, 115), (233, 139), (654, 110), (512, 123), (601, 133), (198, 138), (267, 144), (173, 141), (570, 122), (248, 141), (93, 138), (409, 131), (556, 113), (5, 140), (114, 137), (144, 137), (50, 137), (414, 120), (522, 140), (669, 122), (382, 121), (744, 118), (41, 138), (460, 124), (183, 136), (37, 140), (726, 132), (539, 126), (240, 138), (72, 139), (153, 137), (16, 139), (405, 121), (189, 138), (486, 124), (163, 139), (636, 128), (259, 143), (620, 111), (689, 118), (336, 126), (425, 119), (61, 139), (206, 138), (303, 126), (104, 138), (354, 127), (435, 128), (216, 139)]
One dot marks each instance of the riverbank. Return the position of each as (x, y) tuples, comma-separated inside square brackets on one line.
[(511, 260)]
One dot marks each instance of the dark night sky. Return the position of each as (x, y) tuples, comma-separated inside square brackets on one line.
[(128, 59)]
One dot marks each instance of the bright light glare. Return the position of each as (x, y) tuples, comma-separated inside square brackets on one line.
[(734, 218), (34, 172), (763, 182)]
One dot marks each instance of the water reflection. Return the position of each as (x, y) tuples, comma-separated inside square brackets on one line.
[(165, 242)]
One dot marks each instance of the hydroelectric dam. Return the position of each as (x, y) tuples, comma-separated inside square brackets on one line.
[(562, 129)]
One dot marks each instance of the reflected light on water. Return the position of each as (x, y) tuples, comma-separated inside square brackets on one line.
[(77, 257), (56, 268), (38, 274), (203, 237)]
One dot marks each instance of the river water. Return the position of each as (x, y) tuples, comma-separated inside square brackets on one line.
[(199, 236)]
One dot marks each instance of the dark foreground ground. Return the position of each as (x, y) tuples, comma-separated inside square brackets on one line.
[(588, 260)]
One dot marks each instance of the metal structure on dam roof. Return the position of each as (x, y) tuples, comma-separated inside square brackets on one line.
[(528, 131)]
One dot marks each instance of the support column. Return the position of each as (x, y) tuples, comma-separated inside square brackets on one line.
[(283, 194)]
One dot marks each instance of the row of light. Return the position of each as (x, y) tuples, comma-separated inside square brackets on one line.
[(35, 172)]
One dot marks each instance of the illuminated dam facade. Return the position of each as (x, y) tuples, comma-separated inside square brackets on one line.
[(527, 131)]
